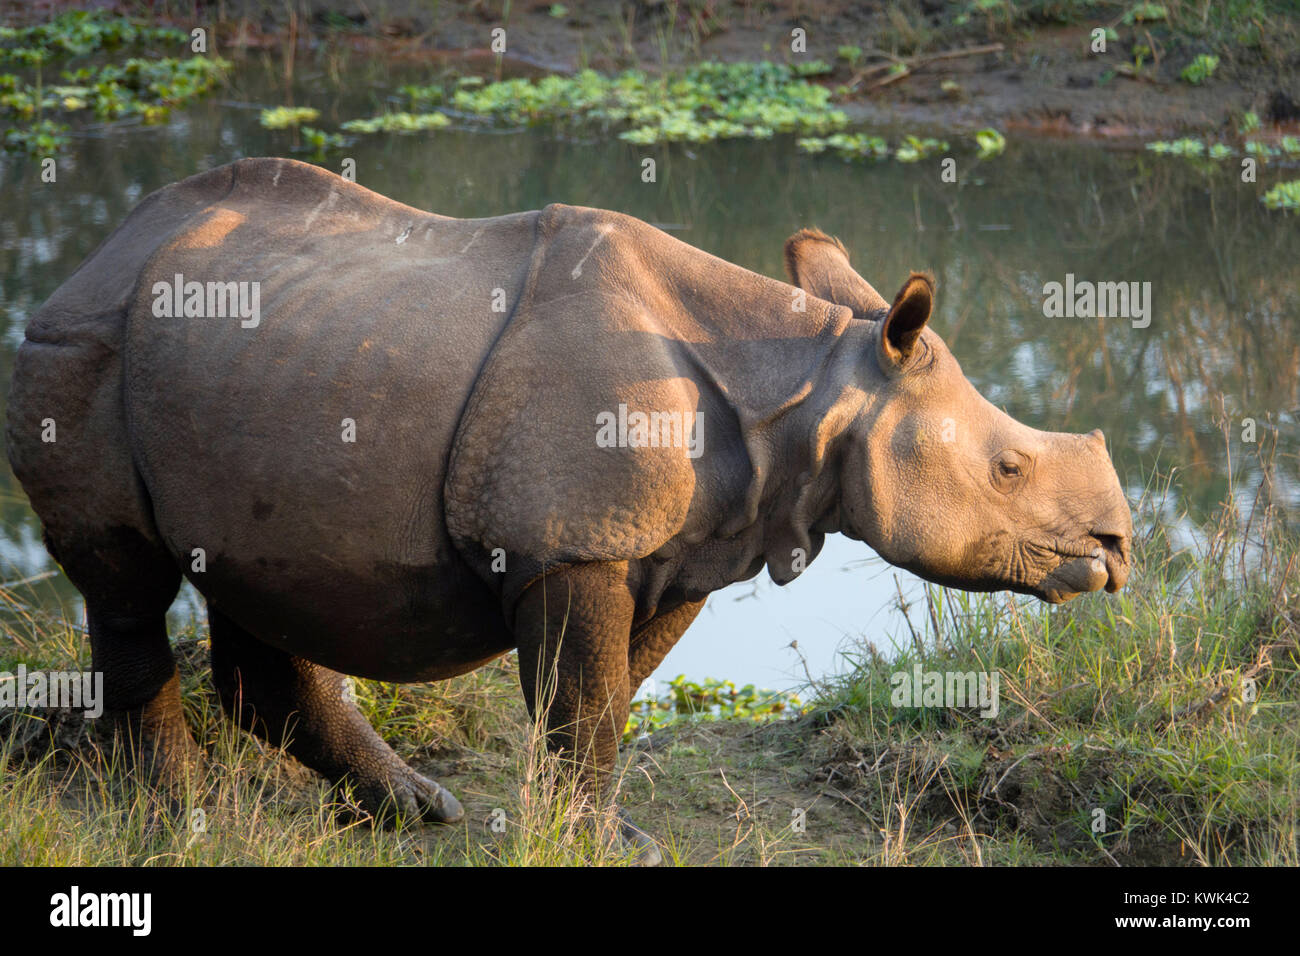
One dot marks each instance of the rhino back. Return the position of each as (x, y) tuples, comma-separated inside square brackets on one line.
[(374, 316)]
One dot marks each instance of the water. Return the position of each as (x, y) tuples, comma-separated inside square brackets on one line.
[(1224, 338)]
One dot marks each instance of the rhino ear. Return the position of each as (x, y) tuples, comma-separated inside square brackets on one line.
[(819, 264), (907, 317)]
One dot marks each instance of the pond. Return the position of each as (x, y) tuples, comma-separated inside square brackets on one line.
[(1222, 344)]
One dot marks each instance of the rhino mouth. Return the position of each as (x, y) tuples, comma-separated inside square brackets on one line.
[(1103, 562)]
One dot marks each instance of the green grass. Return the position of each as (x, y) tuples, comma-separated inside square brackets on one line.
[(1200, 69)]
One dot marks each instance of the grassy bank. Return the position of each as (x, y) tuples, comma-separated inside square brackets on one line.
[(1157, 726)]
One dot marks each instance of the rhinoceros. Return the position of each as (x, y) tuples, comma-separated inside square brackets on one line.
[(392, 444)]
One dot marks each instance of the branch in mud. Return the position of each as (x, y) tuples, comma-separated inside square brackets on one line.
[(909, 65)]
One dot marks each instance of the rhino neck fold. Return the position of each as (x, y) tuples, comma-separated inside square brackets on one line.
[(794, 493)]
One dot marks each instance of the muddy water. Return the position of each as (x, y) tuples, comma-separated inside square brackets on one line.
[(1223, 333)]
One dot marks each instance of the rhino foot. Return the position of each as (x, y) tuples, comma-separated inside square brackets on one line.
[(640, 846), (310, 710), (149, 737), (614, 831), (404, 796)]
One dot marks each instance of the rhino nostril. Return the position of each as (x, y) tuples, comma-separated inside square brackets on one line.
[(1113, 543)]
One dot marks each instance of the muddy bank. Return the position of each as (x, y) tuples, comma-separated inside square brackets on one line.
[(1040, 76)]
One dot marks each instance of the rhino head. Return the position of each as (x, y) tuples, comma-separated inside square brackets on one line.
[(939, 481)]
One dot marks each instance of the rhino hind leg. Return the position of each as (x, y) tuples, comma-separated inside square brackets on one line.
[(143, 696), (128, 585), (291, 702)]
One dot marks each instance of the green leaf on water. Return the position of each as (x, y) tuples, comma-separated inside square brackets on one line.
[(283, 117), (990, 142), (1284, 196), (398, 123)]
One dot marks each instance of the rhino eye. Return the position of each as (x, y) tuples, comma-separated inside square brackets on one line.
[(1007, 471)]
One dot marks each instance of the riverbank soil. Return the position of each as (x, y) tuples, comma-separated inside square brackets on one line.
[(1041, 65)]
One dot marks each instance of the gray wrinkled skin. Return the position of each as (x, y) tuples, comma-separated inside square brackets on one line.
[(475, 512)]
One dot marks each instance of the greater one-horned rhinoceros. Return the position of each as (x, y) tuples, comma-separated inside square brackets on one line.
[(393, 444)]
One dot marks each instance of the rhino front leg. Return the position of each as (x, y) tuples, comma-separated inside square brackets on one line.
[(289, 701), (572, 628)]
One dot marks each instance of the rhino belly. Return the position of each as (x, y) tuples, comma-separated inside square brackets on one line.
[(385, 621)]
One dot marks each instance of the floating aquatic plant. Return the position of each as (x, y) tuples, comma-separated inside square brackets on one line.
[(318, 141), (1283, 196), (1178, 147), (398, 123), (138, 87), (423, 96), (283, 117), (848, 145), (81, 32), (1196, 149), (704, 102), (698, 104), (915, 148), (910, 150), (710, 698), (990, 142), (43, 138)]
